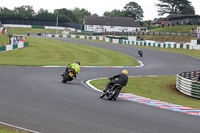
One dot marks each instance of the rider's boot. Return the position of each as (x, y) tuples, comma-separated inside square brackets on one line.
[(62, 74), (107, 88)]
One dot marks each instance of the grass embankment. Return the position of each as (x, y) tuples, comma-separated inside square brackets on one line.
[(161, 88), (175, 29), (18, 31), (4, 40), (177, 39), (42, 52)]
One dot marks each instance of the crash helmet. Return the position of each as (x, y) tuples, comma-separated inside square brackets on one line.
[(78, 63), (125, 72)]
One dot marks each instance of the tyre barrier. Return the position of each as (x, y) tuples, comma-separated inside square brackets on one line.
[(186, 84)]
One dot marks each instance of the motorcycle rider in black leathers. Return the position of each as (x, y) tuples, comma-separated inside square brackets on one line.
[(122, 80), (140, 52)]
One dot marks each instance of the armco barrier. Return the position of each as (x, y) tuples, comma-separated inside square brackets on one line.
[(186, 84)]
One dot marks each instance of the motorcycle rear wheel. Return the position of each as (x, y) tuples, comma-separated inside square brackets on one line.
[(112, 94)]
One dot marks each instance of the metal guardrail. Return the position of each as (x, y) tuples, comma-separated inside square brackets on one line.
[(185, 83), (148, 34)]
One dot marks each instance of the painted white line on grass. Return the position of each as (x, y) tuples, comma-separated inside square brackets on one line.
[(88, 85), (94, 88)]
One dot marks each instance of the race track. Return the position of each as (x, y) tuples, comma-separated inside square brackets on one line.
[(34, 98)]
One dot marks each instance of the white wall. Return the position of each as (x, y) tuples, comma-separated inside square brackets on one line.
[(15, 25), (98, 28), (9, 47), (54, 27), (195, 45)]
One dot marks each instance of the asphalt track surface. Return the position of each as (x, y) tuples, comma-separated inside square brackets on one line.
[(34, 98)]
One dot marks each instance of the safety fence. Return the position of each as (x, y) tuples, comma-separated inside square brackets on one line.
[(148, 34), (13, 46), (186, 84), (129, 42), (36, 23)]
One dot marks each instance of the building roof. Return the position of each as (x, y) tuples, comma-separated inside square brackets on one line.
[(158, 21), (111, 21), (179, 16)]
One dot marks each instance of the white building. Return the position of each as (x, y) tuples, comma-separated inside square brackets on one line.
[(110, 24)]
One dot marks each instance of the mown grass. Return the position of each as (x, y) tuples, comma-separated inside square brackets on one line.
[(18, 31), (4, 39), (6, 129), (42, 52), (175, 29), (177, 39), (161, 88)]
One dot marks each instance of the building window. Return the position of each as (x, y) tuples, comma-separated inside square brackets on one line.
[(112, 26), (90, 26)]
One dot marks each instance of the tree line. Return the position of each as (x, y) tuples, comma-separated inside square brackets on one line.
[(27, 12), (76, 15)]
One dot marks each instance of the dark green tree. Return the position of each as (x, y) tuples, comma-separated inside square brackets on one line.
[(96, 15), (65, 14), (175, 7), (24, 11), (133, 10), (187, 9), (5, 12), (146, 23), (44, 14), (114, 13), (80, 13)]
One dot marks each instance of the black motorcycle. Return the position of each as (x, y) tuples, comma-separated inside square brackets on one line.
[(112, 92), (140, 53), (68, 76)]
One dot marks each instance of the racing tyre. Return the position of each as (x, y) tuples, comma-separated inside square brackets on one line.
[(102, 94), (65, 79), (112, 94)]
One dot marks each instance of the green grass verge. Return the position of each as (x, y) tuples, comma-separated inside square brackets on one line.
[(4, 40), (190, 52), (42, 52), (175, 29), (177, 39), (6, 129), (18, 31), (161, 88)]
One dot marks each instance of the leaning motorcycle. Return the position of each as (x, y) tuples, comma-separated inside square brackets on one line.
[(112, 92), (68, 76)]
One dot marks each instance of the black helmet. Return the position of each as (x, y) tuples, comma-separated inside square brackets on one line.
[(78, 62)]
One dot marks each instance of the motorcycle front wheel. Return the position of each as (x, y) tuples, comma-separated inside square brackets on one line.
[(65, 79), (102, 94)]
